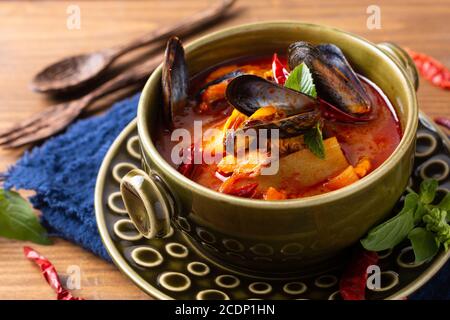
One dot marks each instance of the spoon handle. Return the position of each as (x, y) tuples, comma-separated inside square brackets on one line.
[(55, 118), (133, 75), (185, 27)]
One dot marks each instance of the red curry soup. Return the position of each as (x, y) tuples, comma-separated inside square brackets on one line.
[(333, 126)]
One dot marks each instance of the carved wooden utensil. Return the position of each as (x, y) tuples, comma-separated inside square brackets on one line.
[(73, 72), (55, 118)]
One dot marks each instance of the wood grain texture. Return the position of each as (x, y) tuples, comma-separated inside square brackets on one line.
[(34, 34)]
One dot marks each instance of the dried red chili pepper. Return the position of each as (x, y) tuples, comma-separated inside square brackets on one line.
[(279, 71), (49, 273), (442, 121), (188, 165), (245, 191), (431, 69), (186, 169), (353, 281)]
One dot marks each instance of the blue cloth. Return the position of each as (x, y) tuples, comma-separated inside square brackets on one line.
[(63, 172)]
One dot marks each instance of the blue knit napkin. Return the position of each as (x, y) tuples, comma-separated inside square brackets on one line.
[(63, 172)]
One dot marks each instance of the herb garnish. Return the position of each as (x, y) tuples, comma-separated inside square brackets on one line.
[(300, 79), (314, 141), (423, 223), (18, 221)]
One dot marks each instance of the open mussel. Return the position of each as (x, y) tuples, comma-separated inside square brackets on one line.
[(248, 93), (175, 80), (333, 76), (288, 127), (295, 111), (226, 77)]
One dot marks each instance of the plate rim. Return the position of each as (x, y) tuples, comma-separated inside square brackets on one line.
[(109, 244), (151, 290)]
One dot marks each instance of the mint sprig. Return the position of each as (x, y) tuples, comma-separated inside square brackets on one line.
[(423, 223), (428, 191), (424, 243), (18, 221), (393, 231), (314, 140), (301, 80)]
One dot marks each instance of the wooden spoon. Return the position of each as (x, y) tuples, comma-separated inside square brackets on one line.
[(73, 72), (56, 118)]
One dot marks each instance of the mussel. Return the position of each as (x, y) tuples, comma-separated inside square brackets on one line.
[(248, 93), (335, 80), (299, 112), (288, 127), (225, 77), (175, 80)]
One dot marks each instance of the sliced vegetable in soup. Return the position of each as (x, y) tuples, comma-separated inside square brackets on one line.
[(310, 116)]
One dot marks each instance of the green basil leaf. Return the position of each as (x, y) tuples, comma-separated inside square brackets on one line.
[(314, 141), (300, 79), (424, 244), (428, 190), (421, 210), (18, 221), (436, 221), (390, 233), (445, 203), (410, 203)]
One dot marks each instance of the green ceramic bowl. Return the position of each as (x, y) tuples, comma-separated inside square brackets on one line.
[(273, 236)]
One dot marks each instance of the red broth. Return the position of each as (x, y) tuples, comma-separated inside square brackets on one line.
[(374, 140)]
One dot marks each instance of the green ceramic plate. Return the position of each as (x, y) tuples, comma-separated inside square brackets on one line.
[(171, 268)]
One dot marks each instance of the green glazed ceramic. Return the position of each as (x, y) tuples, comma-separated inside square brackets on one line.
[(314, 229), (172, 268)]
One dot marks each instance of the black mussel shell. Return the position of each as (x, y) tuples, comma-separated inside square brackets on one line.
[(334, 55), (333, 76), (175, 80), (288, 127), (228, 76), (301, 51), (248, 93)]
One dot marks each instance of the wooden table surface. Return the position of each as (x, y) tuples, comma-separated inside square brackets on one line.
[(34, 33)]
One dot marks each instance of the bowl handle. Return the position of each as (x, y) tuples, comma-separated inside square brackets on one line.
[(402, 58), (147, 203)]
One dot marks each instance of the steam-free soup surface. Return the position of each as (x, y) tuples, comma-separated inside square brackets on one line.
[(353, 150)]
